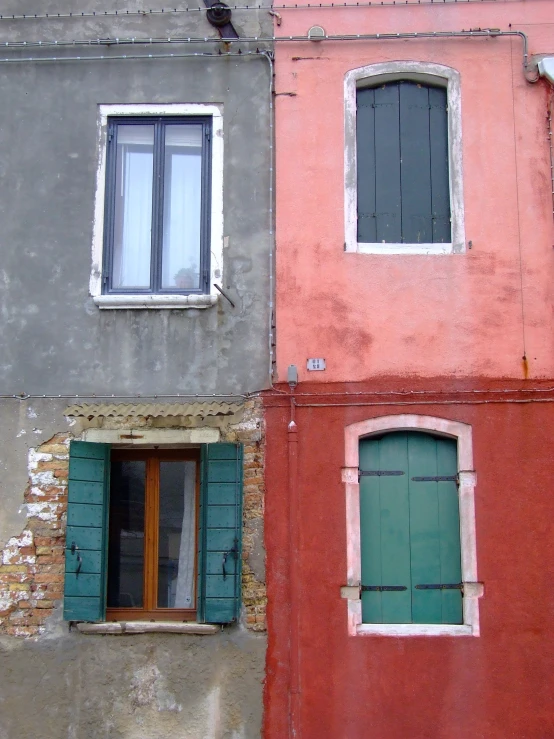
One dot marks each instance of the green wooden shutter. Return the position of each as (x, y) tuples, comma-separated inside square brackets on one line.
[(440, 181), (402, 164), (220, 535), (410, 529), (416, 157), (388, 199), (365, 147), (86, 533)]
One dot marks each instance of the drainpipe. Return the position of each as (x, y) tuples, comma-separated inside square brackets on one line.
[(546, 69), (294, 643)]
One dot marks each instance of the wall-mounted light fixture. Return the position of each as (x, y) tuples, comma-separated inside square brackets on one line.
[(546, 68), (292, 376)]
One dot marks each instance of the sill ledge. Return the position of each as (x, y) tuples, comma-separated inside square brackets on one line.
[(391, 248), (126, 302), (415, 630), (144, 627)]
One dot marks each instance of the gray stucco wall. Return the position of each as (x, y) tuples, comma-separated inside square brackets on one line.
[(132, 687), (56, 341), (54, 338)]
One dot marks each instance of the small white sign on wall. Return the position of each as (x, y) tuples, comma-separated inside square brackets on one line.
[(316, 364)]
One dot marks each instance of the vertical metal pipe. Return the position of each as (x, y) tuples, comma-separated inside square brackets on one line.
[(294, 643), (551, 144)]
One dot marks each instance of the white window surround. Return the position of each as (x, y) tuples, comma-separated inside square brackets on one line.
[(216, 213), (473, 590), (152, 437), (426, 72)]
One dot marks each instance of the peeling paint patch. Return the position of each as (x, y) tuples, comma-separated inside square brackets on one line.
[(44, 511), (148, 688)]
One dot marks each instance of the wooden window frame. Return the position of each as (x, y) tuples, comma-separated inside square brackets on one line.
[(150, 611)]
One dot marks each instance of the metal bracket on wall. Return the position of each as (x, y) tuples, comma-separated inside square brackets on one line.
[(219, 15), (379, 473)]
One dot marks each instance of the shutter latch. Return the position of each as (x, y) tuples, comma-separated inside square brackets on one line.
[(233, 552), (74, 549)]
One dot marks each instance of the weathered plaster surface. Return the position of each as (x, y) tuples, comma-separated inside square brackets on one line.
[(55, 338), (449, 315), (132, 687)]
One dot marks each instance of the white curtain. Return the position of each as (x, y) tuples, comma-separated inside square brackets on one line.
[(182, 207), (185, 578), (132, 243)]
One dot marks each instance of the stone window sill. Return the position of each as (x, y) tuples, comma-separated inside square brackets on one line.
[(147, 627), (142, 302), (415, 630), (390, 248)]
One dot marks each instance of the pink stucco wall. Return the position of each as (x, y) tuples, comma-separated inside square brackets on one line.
[(454, 315)]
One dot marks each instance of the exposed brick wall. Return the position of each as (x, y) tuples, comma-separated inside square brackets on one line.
[(31, 572), (251, 433)]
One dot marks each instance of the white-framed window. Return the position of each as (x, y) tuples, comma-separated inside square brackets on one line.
[(403, 159), (362, 621), (158, 219)]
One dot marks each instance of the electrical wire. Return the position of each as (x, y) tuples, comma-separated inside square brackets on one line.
[(298, 394), (175, 11), (481, 33), (466, 401)]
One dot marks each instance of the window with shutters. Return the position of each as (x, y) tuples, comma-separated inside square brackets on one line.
[(153, 534), (158, 212), (403, 160), (411, 556), (410, 530)]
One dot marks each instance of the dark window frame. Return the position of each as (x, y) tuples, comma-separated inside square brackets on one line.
[(160, 123)]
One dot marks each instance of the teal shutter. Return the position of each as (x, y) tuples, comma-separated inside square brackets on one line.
[(410, 529), (86, 533), (219, 555)]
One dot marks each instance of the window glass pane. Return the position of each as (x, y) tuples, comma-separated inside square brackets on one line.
[(133, 207), (182, 207), (126, 544), (176, 544)]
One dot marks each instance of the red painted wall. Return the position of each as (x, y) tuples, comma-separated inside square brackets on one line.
[(494, 686), (384, 323)]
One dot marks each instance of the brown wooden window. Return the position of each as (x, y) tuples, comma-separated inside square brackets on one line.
[(153, 524)]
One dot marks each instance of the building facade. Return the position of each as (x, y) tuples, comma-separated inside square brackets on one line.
[(408, 455), (135, 194)]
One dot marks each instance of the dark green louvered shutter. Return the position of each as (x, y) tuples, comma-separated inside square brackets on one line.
[(410, 530), (86, 534), (402, 164), (220, 547)]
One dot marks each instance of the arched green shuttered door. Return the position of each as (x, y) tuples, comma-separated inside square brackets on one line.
[(410, 529)]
